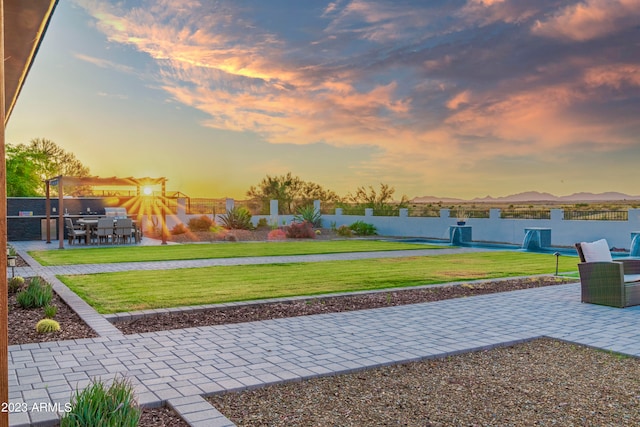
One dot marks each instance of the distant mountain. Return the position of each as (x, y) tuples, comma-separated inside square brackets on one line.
[(435, 199), (529, 196), (534, 196), (609, 196)]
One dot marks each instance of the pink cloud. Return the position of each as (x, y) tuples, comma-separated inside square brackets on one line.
[(382, 20), (590, 19), (613, 75), (458, 100)]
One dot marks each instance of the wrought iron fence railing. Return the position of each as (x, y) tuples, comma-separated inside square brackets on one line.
[(596, 215), (205, 206), (469, 213), (424, 211), (525, 214)]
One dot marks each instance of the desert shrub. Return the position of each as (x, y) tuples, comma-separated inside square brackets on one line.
[(309, 214), (237, 219), (276, 234), (230, 237), (50, 311), (179, 229), (202, 223), (344, 231), (37, 294), (47, 325), (361, 228), (300, 230), (262, 223), (102, 406), (15, 283)]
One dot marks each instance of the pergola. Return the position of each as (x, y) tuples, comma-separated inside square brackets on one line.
[(22, 27), (60, 181)]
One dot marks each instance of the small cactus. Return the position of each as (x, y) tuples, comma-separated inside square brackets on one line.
[(47, 325)]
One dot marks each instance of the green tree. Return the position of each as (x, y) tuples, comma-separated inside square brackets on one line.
[(290, 191), (29, 165), (381, 201), (23, 179)]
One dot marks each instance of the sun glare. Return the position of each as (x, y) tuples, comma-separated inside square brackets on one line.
[(147, 191)]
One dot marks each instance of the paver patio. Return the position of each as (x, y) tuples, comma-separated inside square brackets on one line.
[(180, 366)]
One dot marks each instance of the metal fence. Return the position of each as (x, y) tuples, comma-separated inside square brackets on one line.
[(473, 213), (199, 206), (254, 206), (596, 215), (525, 214), (424, 211), (204, 206)]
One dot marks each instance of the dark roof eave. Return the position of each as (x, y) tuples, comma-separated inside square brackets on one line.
[(25, 23)]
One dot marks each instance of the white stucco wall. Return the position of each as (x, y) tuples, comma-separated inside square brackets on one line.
[(492, 229)]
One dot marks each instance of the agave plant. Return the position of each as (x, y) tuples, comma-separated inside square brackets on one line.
[(308, 214), (237, 219)]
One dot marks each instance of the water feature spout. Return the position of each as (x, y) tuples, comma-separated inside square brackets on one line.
[(532, 241), (536, 239), (454, 236), (460, 235), (635, 245)]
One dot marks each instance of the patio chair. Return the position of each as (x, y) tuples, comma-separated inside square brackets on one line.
[(105, 230), (124, 229), (605, 281), (75, 232)]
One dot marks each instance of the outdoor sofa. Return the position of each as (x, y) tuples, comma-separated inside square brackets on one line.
[(605, 281)]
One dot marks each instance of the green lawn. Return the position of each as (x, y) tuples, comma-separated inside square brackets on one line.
[(138, 290), (215, 250), (118, 254)]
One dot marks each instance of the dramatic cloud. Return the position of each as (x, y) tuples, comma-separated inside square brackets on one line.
[(421, 81), (590, 20)]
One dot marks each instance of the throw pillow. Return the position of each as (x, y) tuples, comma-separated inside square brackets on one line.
[(597, 251)]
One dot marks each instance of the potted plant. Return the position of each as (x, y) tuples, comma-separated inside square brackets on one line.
[(462, 217)]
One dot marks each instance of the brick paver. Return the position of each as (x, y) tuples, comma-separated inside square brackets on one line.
[(180, 367)]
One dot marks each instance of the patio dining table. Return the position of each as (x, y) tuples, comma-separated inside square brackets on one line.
[(90, 224)]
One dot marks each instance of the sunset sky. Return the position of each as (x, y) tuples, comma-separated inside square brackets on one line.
[(458, 98)]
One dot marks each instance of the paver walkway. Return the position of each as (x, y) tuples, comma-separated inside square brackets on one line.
[(181, 366)]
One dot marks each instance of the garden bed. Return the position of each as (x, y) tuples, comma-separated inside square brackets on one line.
[(259, 235), (22, 323)]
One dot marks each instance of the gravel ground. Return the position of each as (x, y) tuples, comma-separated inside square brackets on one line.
[(542, 383)]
